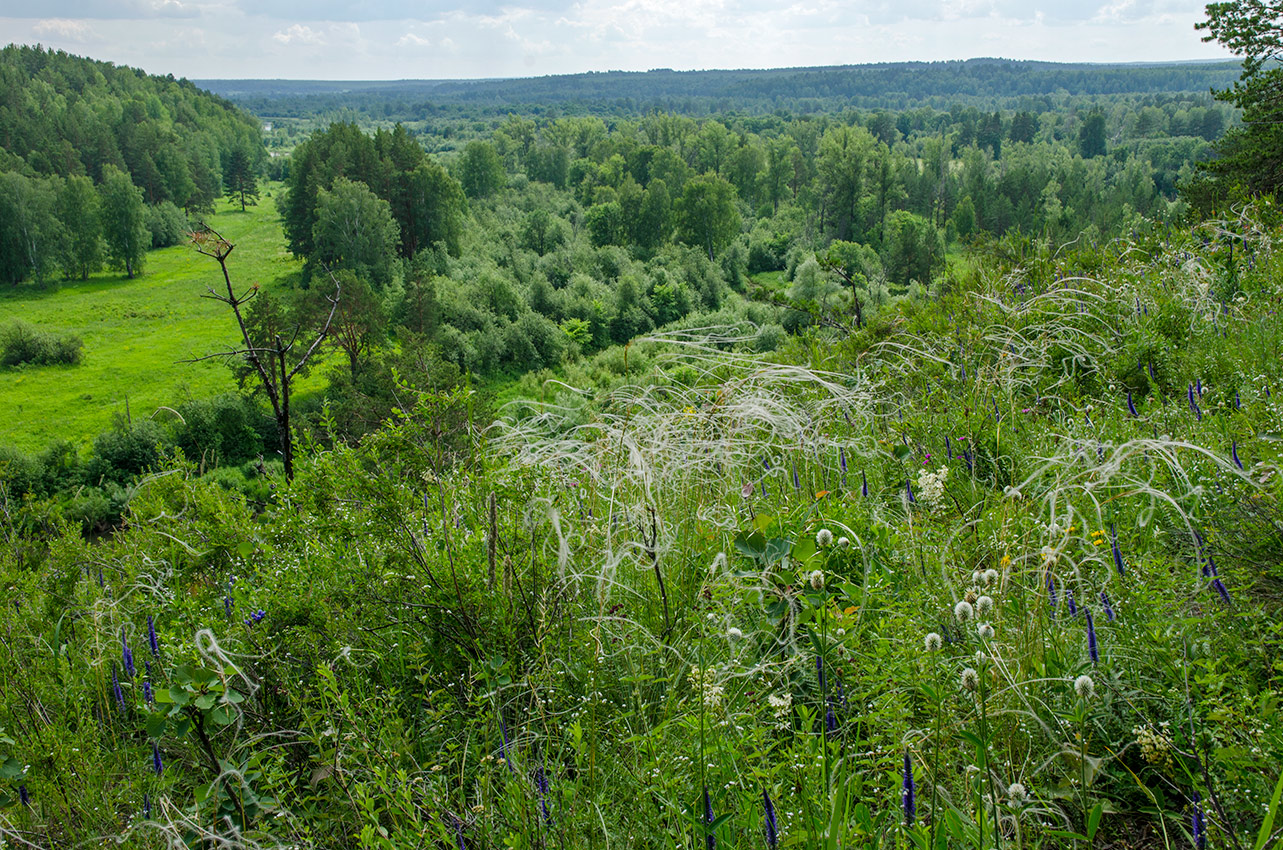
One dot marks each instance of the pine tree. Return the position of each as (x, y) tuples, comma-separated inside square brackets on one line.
[(239, 180)]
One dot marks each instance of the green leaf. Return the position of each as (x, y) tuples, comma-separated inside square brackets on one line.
[(804, 550), (752, 545), (776, 549), (901, 452), (1267, 825), (244, 548), (222, 715), (11, 769), (155, 726), (1093, 821)]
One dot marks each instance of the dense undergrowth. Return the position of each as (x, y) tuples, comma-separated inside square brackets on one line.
[(1000, 569)]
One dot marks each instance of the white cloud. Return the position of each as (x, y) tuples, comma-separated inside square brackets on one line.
[(68, 30), (414, 41), (299, 34)]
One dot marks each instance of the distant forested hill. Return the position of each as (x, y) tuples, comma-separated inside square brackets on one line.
[(68, 116), (975, 82)]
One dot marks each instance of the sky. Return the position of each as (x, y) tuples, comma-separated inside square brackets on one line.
[(451, 39)]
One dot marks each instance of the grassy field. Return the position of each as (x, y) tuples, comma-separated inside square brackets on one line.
[(137, 334)]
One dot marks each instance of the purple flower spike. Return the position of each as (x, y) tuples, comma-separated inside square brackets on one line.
[(1234, 454), (1092, 649), (153, 643), (842, 459), (1193, 405), (115, 688), (1069, 602), (907, 792), (948, 447), (797, 485), (1051, 593), (1238, 404), (23, 796), (1109, 609), (1198, 826), (772, 827), (1198, 387), (864, 485), (541, 784), (908, 489), (147, 693), (710, 840), (1131, 405), (157, 765), (146, 805), (1118, 553), (1219, 587), (126, 657)]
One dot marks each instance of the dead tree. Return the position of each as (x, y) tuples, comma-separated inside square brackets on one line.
[(269, 361)]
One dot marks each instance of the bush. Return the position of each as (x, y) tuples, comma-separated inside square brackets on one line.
[(127, 449), (167, 224), (21, 344)]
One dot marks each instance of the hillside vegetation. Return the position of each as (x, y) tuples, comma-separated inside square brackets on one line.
[(1000, 568)]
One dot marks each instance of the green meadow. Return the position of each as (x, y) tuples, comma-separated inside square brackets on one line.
[(140, 335)]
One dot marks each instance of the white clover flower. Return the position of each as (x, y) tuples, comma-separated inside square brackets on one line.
[(933, 642), (985, 631), (734, 633), (963, 611), (984, 605), (817, 580), (844, 543), (970, 679), (990, 576), (823, 538), (1017, 792), (977, 577), (1085, 687)]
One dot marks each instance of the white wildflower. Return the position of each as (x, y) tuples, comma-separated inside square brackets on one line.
[(824, 538), (817, 580), (1085, 687), (934, 642), (963, 611)]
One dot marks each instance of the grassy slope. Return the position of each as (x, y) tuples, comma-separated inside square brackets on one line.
[(137, 334)]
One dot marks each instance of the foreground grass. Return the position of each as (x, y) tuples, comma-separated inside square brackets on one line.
[(137, 335), (748, 608)]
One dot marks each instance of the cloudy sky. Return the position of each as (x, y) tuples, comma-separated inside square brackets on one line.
[(399, 39)]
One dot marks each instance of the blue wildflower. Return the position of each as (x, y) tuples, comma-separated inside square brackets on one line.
[(1219, 587), (772, 827), (503, 745), (948, 447), (146, 805), (1118, 554), (797, 485), (115, 688), (710, 839), (1051, 593), (126, 656), (1092, 649), (23, 796), (1109, 609), (907, 792), (908, 489), (864, 485), (153, 643), (1198, 825), (541, 785), (1234, 454), (1131, 405), (157, 765), (1193, 405), (1069, 602)]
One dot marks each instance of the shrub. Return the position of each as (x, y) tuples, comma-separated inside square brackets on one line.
[(167, 224), (21, 344)]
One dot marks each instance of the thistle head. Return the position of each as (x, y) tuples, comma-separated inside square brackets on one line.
[(1085, 687), (933, 642), (984, 605), (970, 679)]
